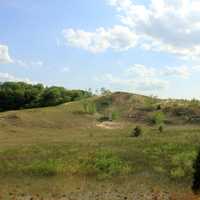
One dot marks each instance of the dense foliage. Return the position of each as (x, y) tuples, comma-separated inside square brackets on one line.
[(196, 174), (17, 95)]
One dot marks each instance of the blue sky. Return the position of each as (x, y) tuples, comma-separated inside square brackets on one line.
[(147, 47)]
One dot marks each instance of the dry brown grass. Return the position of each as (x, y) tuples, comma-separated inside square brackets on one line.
[(65, 130)]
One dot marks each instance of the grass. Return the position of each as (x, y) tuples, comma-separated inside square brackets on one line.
[(64, 141), (62, 150), (104, 164)]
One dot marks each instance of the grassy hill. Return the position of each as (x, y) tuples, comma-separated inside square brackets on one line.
[(87, 144)]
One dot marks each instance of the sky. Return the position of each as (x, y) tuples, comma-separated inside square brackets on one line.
[(149, 47)]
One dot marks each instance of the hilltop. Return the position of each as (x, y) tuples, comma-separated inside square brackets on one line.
[(139, 108)]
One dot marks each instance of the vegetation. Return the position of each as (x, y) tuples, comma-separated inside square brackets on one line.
[(104, 164), (196, 175), (20, 95), (160, 128), (137, 131), (52, 143), (158, 118), (89, 107)]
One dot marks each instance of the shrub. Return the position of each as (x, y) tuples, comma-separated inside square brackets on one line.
[(41, 168), (137, 131), (181, 164), (158, 118), (150, 103), (109, 116), (177, 172), (103, 103), (103, 119), (159, 107), (160, 128), (89, 107), (105, 91), (196, 174), (115, 115)]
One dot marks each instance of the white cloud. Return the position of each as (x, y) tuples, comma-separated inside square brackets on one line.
[(196, 68), (118, 38), (146, 78), (141, 71), (141, 78), (150, 84), (65, 69), (164, 25), (20, 63), (4, 77), (23, 63), (38, 63), (182, 71), (114, 80), (5, 59), (4, 55)]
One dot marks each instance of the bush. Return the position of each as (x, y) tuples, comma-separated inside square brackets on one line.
[(89, 107), (103, 119), (103, 103), (137, 131), (177, 172), (196, 174), (160, 128), (159, 107), (158, 118), (181, 111), (41, 168), (181, 164), (115, 115)]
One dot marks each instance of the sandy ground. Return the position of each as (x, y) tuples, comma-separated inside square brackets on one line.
[(110, 125), (74, 188), (103, 195)]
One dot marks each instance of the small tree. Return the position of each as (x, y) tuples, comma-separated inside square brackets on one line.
[(159, 107), (105, 91), (196, 175), (158, 118), (160, 128), (137, 131)]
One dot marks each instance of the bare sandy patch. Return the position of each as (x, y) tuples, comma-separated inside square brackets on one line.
[(110, 125)]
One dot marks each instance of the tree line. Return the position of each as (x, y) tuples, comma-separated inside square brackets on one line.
[(20, 95)]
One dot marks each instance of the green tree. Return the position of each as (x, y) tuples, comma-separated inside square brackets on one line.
[(16, 95), (158, 118), (104, 91)]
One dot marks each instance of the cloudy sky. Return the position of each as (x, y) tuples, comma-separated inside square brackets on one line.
[(143, 46)]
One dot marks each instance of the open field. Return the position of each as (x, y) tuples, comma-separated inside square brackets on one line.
[(64, 153)]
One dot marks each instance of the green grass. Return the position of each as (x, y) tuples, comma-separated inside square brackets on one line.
[(104, 164)]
